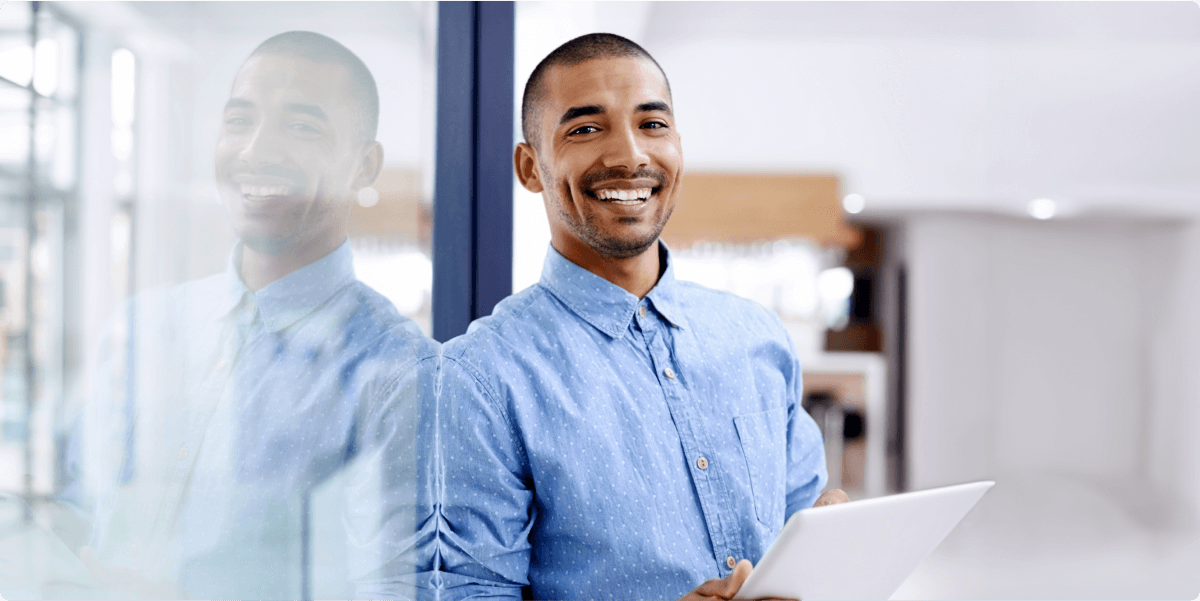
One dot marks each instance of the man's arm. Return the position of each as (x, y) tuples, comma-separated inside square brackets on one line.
[(390, 491), (487, 505), (807, 473)]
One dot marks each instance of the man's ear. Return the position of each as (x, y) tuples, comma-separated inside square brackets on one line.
[(526, 164), (371, 166)]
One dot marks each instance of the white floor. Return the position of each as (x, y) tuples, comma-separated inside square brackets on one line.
[(1056, 538)]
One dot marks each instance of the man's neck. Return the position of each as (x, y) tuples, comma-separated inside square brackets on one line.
[(259, 269), (637, 275)]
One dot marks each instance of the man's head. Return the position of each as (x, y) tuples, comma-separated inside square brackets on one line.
[(601, 146), (297, 142)]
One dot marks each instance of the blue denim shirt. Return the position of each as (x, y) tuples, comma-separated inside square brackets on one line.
[(599, 446), (219, 412)]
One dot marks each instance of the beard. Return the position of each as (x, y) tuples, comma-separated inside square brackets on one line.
[(269, 245), (587, 228)]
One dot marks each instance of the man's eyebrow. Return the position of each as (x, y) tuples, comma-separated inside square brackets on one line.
[(656, 105), (308, 109), (580, 111), (238, 103)]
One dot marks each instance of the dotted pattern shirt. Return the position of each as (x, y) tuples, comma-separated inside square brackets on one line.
[(231, 407), (598, 446)]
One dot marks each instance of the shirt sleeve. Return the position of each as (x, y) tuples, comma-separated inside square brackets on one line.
[(390, 491), (487, 508), (807, 474)]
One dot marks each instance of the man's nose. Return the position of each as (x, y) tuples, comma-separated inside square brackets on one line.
[(626, 148), (263, 146)]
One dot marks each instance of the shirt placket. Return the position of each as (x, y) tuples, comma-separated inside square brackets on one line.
[(707, 476)]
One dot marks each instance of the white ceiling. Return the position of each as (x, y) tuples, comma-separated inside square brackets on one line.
[(917, 105), (942, 105)]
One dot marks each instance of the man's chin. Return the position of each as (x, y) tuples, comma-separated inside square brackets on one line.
[(268, 245), (621, 248)]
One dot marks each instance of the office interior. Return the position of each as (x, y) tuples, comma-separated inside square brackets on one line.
[(979, 221)]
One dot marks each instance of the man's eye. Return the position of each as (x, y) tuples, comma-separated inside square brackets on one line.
[(654, 125), (587, 129), (237, 121), (305, 128)]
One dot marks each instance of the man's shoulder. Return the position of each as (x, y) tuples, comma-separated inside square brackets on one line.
[(173, 304), (520, 317), (706, 305), (375, 322)]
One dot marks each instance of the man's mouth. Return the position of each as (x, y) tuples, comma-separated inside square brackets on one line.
[(264, 192), (624, 196)]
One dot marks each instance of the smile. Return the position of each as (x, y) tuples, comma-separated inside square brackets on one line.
[(627, 197), (251, 191)]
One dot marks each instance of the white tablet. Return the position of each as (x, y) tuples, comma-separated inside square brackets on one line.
[(861, 549)]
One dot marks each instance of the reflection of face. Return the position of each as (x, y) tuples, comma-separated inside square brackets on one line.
[(609, 158), (289, 152)]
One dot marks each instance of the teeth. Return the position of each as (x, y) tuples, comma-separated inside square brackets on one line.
[(624, 196), (264, 191)]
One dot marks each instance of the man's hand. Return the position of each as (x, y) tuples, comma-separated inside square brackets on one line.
[(722, 589), (727, 588), (831, 497)]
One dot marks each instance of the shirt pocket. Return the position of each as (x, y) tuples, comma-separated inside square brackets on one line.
[(764, 444)]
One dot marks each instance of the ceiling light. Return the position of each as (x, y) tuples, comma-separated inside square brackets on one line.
[(854, 203), (1042, 208)]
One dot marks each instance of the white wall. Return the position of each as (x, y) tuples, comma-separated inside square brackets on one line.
[(1030, 353), (942, 106), (1173, 453)]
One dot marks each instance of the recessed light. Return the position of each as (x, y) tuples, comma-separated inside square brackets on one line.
[(1042, 208), (854, 203)]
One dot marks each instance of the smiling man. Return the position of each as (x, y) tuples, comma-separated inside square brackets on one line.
[(612, 432), (229, 402)]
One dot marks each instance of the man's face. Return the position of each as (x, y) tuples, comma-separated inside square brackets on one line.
[(291, 153), (609, 160)]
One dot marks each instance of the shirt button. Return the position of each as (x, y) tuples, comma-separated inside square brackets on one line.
[(670, 373), (730, 561), (133, 549), (183, 453), (221, 365), (642, 311), (702, 463)]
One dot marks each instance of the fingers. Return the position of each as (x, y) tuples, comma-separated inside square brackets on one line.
[(724, 588), (831, 497)]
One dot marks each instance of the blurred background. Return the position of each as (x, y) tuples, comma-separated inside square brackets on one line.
[(979, 221)]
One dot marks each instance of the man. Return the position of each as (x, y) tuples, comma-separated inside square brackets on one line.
[(612, 432), (238, 397)]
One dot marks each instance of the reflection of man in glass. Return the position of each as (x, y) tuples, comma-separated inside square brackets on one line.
[(613, 433), (243, 393)]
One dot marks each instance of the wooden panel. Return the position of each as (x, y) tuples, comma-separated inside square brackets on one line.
[(747, 208)]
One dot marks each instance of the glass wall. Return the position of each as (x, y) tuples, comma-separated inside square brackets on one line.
[(39, 115), (215, 275)]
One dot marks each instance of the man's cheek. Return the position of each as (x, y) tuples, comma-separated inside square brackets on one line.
[(566, 192)]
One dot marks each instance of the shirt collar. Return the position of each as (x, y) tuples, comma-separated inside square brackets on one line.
[(286, 300), (605, 305)]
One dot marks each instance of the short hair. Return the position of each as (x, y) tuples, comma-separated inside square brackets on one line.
[(323, 49), (583, 48)]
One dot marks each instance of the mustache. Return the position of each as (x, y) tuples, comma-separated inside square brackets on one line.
[(294, 175), (617, 173)]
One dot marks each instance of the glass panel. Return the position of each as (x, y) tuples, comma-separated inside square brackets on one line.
[(16, 57), (223, 343), (14, 130), (56, 56), (15, 17)]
